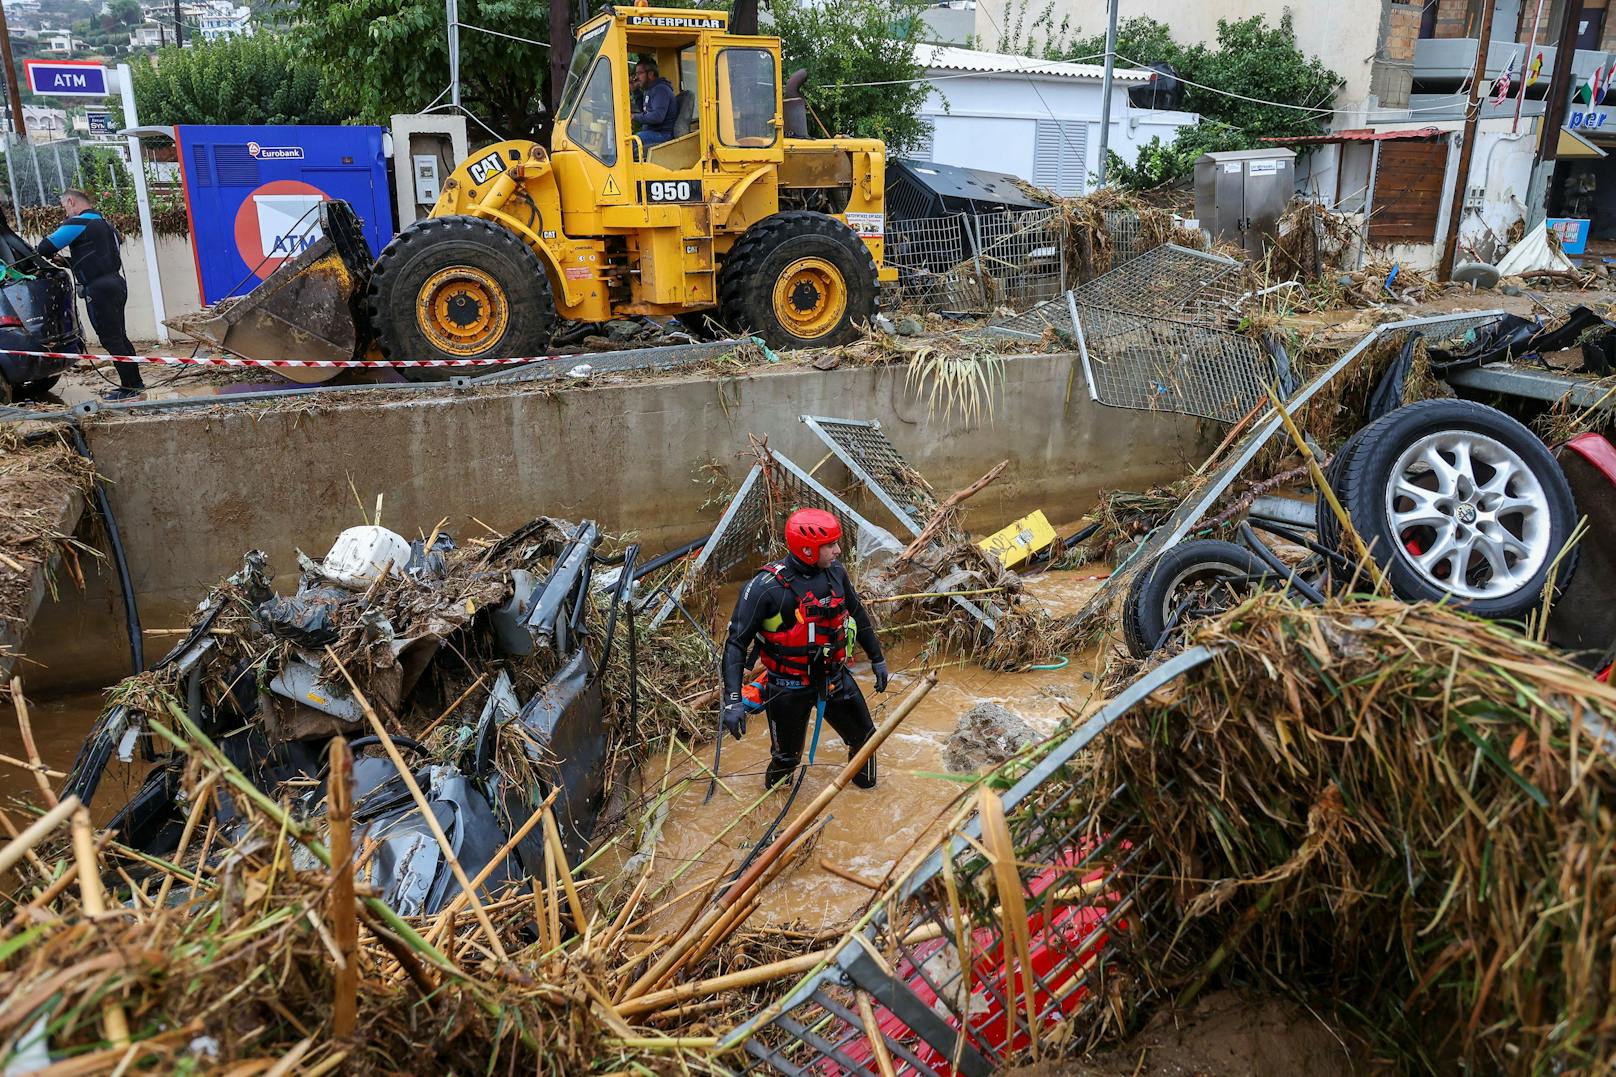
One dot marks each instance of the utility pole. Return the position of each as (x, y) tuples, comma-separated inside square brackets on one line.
[(1105, 85), (13, 94), (1554, 110), (179, 25), (1467, 148)]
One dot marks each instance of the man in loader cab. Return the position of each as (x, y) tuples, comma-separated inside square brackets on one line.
[(659, 104), (803, 616)]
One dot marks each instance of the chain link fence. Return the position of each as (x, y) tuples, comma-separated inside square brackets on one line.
[(38, 172)]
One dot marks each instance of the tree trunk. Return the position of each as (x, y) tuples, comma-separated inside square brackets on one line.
[(743, 17)]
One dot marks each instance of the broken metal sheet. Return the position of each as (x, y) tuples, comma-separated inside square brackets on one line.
[(566, 743), (299, 680), (1437, 330), (551, 603)]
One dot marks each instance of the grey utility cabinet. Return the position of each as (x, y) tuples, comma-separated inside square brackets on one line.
[(1240, 195)]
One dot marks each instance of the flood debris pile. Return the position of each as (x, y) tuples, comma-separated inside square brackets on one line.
[(1392, 807), (373, 832), (42, 484)]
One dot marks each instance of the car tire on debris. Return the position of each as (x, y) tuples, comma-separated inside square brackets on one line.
[(1209, 574), (1458, 502)]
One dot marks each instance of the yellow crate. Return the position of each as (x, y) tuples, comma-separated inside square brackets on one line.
[(1017, 543)]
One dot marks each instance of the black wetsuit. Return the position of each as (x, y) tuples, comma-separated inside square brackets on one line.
[(790, 702), (92, 243)]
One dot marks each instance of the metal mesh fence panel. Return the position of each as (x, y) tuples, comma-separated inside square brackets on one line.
[(938, 963), (38, 172), (970, 261), (1169, 281), (864, 447), (1127, 236), (876, 463), (1156, 364), (750, 530)]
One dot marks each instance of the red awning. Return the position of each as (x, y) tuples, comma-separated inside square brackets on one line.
[(1424, 134)]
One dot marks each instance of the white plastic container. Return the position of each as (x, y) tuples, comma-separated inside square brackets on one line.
[(361, 554)]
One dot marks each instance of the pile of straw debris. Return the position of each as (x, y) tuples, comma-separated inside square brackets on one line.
[(1397, 807)]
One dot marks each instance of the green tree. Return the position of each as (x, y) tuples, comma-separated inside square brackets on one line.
[(388, 56), (847, 45), (1249, 85), (126, 13), (252, 79)]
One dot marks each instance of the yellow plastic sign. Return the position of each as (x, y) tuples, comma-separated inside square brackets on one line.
[(1017, 543)]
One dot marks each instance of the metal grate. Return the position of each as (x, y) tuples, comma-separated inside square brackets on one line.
[(928, 253), (1019, 258), (863, 447), (1169, 281), (1088, 911), (1127, 236), (750, 529), (1159, 364), (1439, 329)]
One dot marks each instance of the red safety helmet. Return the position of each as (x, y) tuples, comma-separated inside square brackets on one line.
[(809, 529)]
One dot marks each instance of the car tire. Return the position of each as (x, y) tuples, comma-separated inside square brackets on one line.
[(1458, 502), (1156, 589), (459, 288), (798, 280)]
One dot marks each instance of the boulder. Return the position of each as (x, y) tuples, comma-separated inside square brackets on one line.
[(986, 736)]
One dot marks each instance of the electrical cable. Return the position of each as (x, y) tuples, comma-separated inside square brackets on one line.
[(501, 33), (131, 611)]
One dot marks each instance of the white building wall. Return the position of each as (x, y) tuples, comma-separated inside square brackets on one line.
[(992, 122), (1344, 35)]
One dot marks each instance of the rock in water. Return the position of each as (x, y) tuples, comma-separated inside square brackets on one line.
[(986, 736)]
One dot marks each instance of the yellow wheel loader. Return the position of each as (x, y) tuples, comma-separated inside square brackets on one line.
[(739, 218)]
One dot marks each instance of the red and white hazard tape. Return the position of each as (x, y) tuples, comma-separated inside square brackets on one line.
[(203, 360)]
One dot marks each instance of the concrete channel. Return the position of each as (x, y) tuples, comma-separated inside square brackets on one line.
[(194, 488)]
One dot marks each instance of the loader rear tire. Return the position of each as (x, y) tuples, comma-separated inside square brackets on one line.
[(459, 288), (798, 280)]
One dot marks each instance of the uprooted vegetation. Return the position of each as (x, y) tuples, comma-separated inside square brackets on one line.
[(1393, 807)]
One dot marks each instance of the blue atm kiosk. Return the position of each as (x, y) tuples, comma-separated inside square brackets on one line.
[(252, 195)]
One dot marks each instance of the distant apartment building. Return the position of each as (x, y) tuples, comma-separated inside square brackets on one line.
[(222, 19)]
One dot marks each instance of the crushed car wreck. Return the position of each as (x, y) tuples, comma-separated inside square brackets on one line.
[(481, 663)]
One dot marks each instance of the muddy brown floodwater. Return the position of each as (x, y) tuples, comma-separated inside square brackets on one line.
[(872, 831)]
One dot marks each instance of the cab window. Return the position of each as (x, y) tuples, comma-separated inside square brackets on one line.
[(593, 126), (584, 55), (747, 91)]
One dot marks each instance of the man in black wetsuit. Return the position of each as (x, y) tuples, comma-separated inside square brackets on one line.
[(801, 616), (92, 244)]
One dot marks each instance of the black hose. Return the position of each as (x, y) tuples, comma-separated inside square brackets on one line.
[(672, 555), (623, 580), (359, 743), (1288, 575), (131, 613), (1319, 549)]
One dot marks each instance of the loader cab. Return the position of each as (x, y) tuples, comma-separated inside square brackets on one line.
[(727, 90)]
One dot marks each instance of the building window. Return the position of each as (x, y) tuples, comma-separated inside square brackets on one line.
[(928, 135)]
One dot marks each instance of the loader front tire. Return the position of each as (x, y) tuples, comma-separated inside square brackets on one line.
[(450, 288), (798, 280)]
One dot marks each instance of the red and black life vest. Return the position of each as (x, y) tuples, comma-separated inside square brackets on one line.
[(812, 635)]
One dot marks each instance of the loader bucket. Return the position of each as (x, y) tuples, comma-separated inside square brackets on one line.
[(309, 308)]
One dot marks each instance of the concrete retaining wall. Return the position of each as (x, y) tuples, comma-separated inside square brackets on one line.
[(194, 490)]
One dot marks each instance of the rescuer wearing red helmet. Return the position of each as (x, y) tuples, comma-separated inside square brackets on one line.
[(802, 616)]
